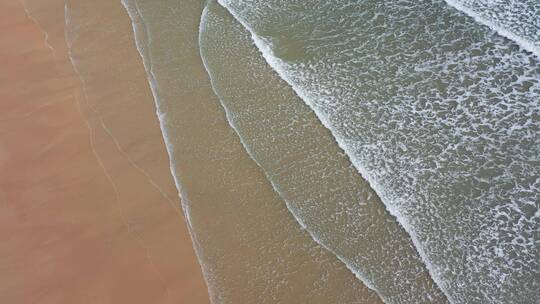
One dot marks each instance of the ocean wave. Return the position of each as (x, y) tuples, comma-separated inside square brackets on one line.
[(311, 173), (438, 114), (515, 20), (250, 248)]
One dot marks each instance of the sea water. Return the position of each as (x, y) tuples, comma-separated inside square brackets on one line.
[(251, 249), (301, 158), (439, 113), (353, 151)]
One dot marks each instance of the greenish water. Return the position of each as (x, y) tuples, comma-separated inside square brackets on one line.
[(353, 151)]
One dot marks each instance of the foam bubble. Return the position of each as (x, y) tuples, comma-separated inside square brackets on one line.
[(438, 113), (311, 173)]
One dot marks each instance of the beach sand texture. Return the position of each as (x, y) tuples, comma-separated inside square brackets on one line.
[(89, 211)]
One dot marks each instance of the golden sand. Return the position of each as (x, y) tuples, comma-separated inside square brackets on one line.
[(88, 209)]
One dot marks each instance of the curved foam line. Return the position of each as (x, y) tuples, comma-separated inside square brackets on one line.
[(147, 62), (272, 183), (385, 197), (526, 44)]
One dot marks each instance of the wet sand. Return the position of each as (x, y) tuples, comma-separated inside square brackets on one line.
[(251, 247), (88, 209)]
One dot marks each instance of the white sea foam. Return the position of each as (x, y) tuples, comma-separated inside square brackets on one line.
[(255, 269), (379, 189), (447, 140), (324, 193), (142, 40), (516, 20)]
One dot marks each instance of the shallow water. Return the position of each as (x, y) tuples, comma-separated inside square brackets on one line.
[(250, 247), (307, 168), (516, 20), (356, 152), (438, 113), (325, 151)]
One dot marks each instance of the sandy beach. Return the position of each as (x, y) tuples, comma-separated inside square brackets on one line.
[(89, 211), (269, 151)]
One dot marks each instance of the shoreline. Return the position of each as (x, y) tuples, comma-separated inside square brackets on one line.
[(89, 207)]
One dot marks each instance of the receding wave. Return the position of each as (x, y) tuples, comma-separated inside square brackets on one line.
[(307, 168), (516, 20), (438, 113), (250, 248)]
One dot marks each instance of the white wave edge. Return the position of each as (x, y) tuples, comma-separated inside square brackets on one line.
[(303, 226), (274, 62), (147, 63), (527, 45)]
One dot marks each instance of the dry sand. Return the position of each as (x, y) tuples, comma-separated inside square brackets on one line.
[(88, 209)]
